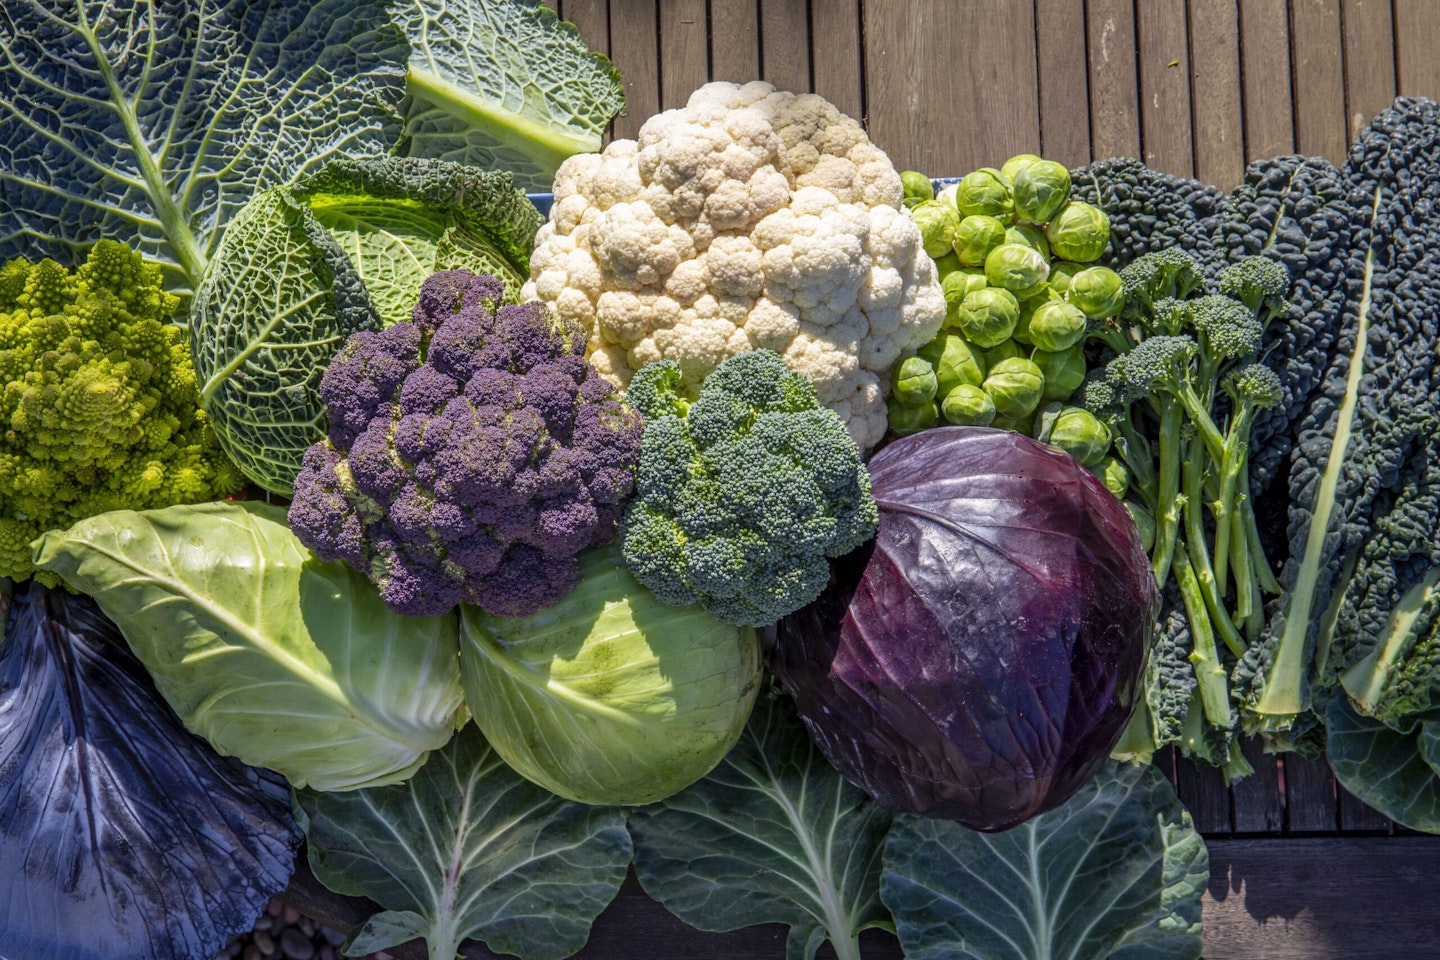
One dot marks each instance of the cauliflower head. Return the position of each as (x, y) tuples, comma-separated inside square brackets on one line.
[(749, 218), (100, 409), (472, 454)]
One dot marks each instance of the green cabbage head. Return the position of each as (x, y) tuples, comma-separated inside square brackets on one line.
[(273, 656), (609, 696)]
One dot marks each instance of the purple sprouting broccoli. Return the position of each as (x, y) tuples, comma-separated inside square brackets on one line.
[(472, 453)]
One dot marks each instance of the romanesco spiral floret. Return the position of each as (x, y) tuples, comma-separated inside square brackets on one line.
[(99, 409)]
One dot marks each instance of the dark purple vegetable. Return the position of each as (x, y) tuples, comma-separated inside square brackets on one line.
[(979, 661)]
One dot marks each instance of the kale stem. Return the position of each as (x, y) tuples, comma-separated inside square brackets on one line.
[(1209, 672)]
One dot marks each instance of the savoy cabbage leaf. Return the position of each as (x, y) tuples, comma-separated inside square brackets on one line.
[(504, 86), (156, 122)]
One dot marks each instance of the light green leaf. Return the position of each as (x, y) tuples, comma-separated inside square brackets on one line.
[(274, 657), (467, 848), (772, 835), (1117, 871), (1389, 770), (154, 123), (504, 86), (386, 929)]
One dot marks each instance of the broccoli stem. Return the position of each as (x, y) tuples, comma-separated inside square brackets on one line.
[(1199, 413), (1192, 484), (1231, 464), (1136, 453), (1137, 740), (1113, 337), (1260, 564), (1204, 657), (1167, 503)]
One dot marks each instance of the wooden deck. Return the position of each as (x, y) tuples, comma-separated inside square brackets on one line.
[(1300, 870)]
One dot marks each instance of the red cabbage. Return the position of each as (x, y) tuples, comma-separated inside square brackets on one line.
[(979, 660)]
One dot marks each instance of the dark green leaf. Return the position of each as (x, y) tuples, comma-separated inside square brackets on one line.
[(1384, 767)]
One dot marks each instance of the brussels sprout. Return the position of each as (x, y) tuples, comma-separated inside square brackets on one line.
[(937, 223), (1017, 268), (947, 195), (1029, 235), (1028, 306), (959, 284), (976, 237), (986, 192), (1057, 325), (1114, 475), (968, 406), (954, 362), (1013, 165), (1080, 434), (915, 382), (1015, 385), (988, 317), (1079, 232), (917, 187), (1040, 190), (1001, 351), (946, 265), (1064, 370), (1061, 273), (1144, 524), (1097, 291), (907, 420)]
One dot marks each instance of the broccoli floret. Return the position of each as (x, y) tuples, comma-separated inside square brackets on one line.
[(99, 402), (1168, 273), (472, 454), (1258, 282), (1227, 330), (744, 493)]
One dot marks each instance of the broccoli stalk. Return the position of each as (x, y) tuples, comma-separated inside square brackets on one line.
[(1210, 673)]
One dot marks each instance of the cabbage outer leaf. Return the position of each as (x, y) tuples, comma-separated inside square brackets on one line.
[(467, 848), (272, 656), (119, 830), (772, 835), (1395, 772), (159, 121), (504, 86), (1116, 872)]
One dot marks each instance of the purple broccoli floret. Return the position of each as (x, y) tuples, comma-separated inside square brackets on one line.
[(472, 453)]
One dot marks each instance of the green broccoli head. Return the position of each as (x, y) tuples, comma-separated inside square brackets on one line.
[(1168, 272), (1258, 282), (1228, 329), (99, 399), (743, 494), (1254, 385), (1158, 363)]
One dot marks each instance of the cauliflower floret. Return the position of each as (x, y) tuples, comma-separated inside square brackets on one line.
[(748, 218)]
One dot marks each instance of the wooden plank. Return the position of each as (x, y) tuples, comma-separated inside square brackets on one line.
[(1268, 899), (1369, 61), (1063, 80), (1265, 67), (684, 51), (1114, 89), (943, 100), (634, 49), (1257, 797), (1319, 79), (1219, 129), (1310, 899), (1356, 817), (1205, 795), (592, 17), (836, 51), (785, 44), (1164, 61), (734, 40), (1309, 789), (1417, 37)]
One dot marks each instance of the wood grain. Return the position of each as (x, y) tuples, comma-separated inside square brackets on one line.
[(1319, 79), (1266, 102), (1205, 795), (634, 49), (1114, 88), (684, 51), (1219, 131), (1163, 53), (1417, 38), (1369, 32), (592, 17), (836, 47), (1063, 80), (734, 40), (1256, 798), (1310, 802), (1299, 899), (785, 44)]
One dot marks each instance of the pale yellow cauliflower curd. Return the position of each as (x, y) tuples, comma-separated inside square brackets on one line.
[(748, 218)]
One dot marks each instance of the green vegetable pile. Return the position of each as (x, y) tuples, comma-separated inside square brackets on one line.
[(1013, 253)]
